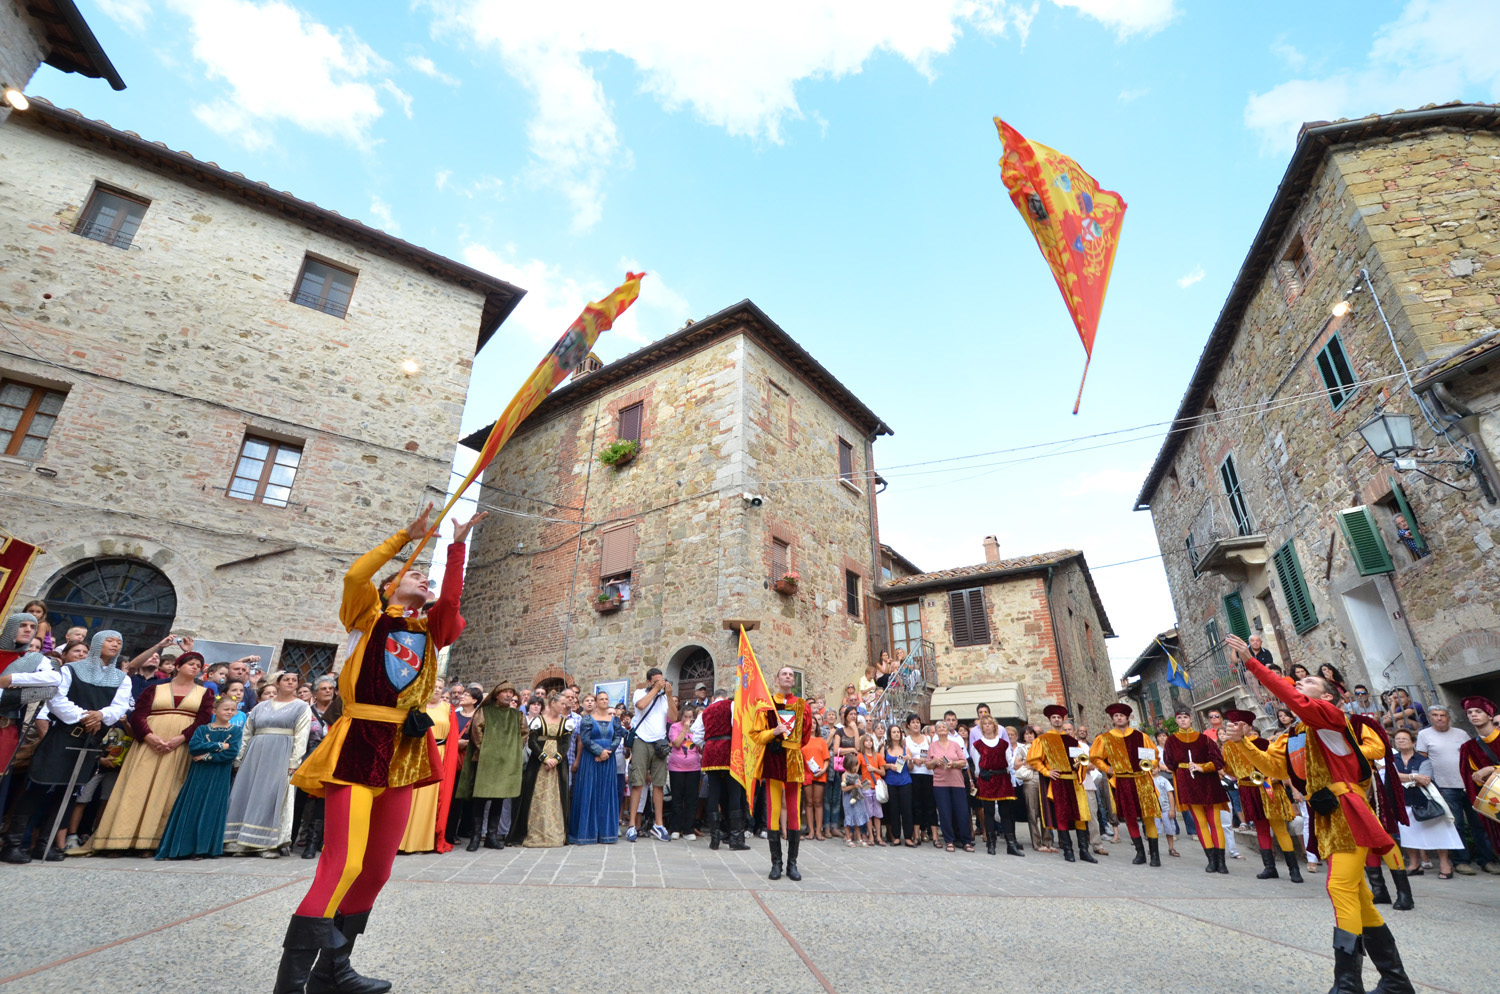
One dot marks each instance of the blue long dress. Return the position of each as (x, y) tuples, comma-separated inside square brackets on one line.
[(196, 826), (595, 817)]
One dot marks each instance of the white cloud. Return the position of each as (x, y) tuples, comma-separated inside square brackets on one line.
[(443, 175), (1435, 51), (1191, 278), (1127, 17), (402, 97), (128, 13), (1288, 53), (381, 212), (427, 67), (1130, 96)]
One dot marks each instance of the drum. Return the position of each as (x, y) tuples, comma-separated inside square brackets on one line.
[(1487, 801)]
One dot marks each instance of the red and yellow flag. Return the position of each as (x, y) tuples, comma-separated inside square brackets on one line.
[(565, 356), (1076, 225), (750, 698), (16, 557)]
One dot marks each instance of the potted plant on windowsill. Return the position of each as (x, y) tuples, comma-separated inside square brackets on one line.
[(607, 600), (619, 452), (787, 584)]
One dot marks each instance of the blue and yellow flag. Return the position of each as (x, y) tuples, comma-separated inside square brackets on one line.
[(1176, 675), (750, 698)]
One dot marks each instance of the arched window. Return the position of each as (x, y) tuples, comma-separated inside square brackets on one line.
[(697, 667), (129, 596)]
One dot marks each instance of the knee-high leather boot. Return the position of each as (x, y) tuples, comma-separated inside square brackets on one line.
[(306, 937), (775, 838), (792, 840), (1155, 859), (1140, 852), (1293, 872), (1348, 963), (1404, 901), (332, 973), (1381, 947), (1377, 885), (1083, 845), (1269, 859), (737, 831)]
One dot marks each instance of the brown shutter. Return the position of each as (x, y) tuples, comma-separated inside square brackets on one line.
[(618, 554), (959, 615), (630, 423), (979, 622), (780, 559), (846, 459)]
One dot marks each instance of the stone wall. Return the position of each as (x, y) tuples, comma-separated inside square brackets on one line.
[(21, 49), (172, 349)]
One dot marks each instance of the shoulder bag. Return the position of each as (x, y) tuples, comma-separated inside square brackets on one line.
[(882, 792)]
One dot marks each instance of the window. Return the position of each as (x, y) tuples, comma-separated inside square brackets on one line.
[(1410, 535), (265, 471), (851, 592), (1294, 588), (125, 595), (308, 659), (971, 626), (27, 415), (1237, 506), (1365, 542), (1294, 269), (906, 628), (1216, 643), (1192, 551), (1234, 608), (779, 411), (885, 568), (781, 559), (617, 555), (630, 423), (1333, 366), (324, 288), (846, 461), (112, 218)]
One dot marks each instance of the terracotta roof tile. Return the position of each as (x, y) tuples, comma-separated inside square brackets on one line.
[(1005, 565)]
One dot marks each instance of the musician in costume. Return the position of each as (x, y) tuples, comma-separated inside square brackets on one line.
[(781, 733), (379, 750), (1056, 758), (726, 798), (1117, 753), (1195, 761), (1262, 802), (1479, 758), (1388, 801), (1322, 758)]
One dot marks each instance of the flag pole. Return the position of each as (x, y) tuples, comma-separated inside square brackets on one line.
[(1088, 358)]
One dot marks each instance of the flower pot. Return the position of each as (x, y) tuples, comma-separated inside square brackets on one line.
[(625, 459), (607, 605), (785, 587)]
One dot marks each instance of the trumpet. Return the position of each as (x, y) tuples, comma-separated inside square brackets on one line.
[(1257, 777), (1147, 765)]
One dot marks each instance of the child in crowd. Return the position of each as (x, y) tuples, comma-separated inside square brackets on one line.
[(872, 771), (196, 826), (1167, 824), (856, 813)]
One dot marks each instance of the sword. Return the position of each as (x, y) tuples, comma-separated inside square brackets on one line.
[(62, 807)]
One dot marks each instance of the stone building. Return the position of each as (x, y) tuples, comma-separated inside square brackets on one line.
[(1146, 684), (50, 31), (1016, 634), (753, 461), (213, 395), (1273, 513)]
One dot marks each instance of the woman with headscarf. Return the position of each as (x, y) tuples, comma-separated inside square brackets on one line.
[(271, 748), (164, 719), (492, 765), (429, 804), (541, 813)]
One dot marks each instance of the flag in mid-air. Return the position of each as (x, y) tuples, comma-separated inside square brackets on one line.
[(1176, 675), (1076, 225), (750, 698), (16, 557)]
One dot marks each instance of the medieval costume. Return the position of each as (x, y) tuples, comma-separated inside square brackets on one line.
[(1116, 752), (69, 752), (781, 767), (541, 812), (260, 804), (1322, 759), (1263, 802), (26, 691), (1389, 805), (1476, 754), (993, 787), (428, 803), (380, 748), (196, 827), (492, 769), (595, 815), (1199, 792), (726, 797), (138, 810), (1065, 806)]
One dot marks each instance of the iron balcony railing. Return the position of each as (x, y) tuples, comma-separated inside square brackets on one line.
[(908, 684), (317, 303), (1219, 517), (119, 238)]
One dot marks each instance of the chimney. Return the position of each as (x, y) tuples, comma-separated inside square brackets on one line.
[(991, 549)]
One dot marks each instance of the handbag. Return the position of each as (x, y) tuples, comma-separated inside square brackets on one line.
[(882, 792), (1423, 807)]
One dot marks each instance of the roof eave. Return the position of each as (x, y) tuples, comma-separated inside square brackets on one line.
[(98, 65)]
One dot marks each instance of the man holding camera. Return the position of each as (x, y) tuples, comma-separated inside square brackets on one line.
[(655, 710)]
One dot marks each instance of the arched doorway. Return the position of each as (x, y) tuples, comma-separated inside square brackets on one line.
[(550, 679), (129, 596), (688, 667)]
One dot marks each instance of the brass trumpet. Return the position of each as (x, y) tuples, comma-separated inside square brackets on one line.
[(1147, 765), (1257, 777)]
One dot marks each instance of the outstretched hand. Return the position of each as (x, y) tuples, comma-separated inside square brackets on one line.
[(1239, 648), (461, 529), (419, 525)]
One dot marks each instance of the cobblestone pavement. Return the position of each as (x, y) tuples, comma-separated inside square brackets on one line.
[(659, 918)]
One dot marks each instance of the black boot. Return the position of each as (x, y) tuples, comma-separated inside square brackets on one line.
[(1269, 859), (1348, 963), (1381, 946), (737, 832), (1293, 871), (476, 828), (1403, 900), (989, 843), (314, 840), (1377, 885), (1212, 866), (494, 841), (22, 811), (332, 974), (1140, 852), (775, 838), (1155, 852), (1219, 865), (305, 938), (714, 835), (792, 840), (1083, 845), (1012, 847), (1066, 845)]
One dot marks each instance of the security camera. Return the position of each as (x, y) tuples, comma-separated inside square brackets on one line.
[(754, 500)]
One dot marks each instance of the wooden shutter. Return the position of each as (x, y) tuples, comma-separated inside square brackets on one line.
[(1411, 519), (1234, 607), (1365, 543), (958, 613), (780, 559), (630, 423), (618, 554), (979, 622), (846, 460), (1294, 588)]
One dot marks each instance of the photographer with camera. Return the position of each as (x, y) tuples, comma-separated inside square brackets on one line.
[(655, 710)]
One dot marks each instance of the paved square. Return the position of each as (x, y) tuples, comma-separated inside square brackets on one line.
[(861, 920)]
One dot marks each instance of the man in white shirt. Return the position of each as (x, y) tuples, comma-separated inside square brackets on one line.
[(1442, 742), (655, 710)]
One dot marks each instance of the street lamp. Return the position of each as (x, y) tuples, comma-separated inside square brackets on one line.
[(1389, 436), (16, 98)]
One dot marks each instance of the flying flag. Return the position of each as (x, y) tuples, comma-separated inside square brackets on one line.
[(15, 559), (750, 698), (565, 356), (1075, 223), (1176, 675)]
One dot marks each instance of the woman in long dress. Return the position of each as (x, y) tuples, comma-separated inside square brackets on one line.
[(274, 742), (162, 723), (596, 793), (541, 818), (196, 828), (421, 824)]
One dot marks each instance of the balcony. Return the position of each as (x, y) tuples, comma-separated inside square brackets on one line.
[(1223, 539), (912, 683)]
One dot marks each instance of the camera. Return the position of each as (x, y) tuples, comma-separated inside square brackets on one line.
[(754, 500)]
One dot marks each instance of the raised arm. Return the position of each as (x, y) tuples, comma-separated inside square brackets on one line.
[(360, 595), (1317, 714)]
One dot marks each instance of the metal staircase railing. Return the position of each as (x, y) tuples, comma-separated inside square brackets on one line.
[(908, 686)]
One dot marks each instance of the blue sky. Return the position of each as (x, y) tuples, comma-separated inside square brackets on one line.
[(835, 162)]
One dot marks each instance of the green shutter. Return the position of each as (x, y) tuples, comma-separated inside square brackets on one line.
[(1234, 607), (1411, 519), (1365, 544), (1294, 588)]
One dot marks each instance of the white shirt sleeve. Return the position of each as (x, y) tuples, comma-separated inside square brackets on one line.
[(59, 708), (299, 736), (697, 731), (45, 676), (121, 705)]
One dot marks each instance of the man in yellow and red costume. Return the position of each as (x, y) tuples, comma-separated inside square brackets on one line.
[(1479, 759), (1061, 762), (1195, 762), (372, 758), (1322, 758), (781, 733), (1117, 752), (1265, 805)]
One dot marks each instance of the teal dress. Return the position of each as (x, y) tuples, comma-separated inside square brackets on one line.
[(196, 826), (595, 818)]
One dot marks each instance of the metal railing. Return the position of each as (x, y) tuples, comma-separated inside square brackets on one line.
[(103, 233), (318, 303), (908, 684), (1218, 517)]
